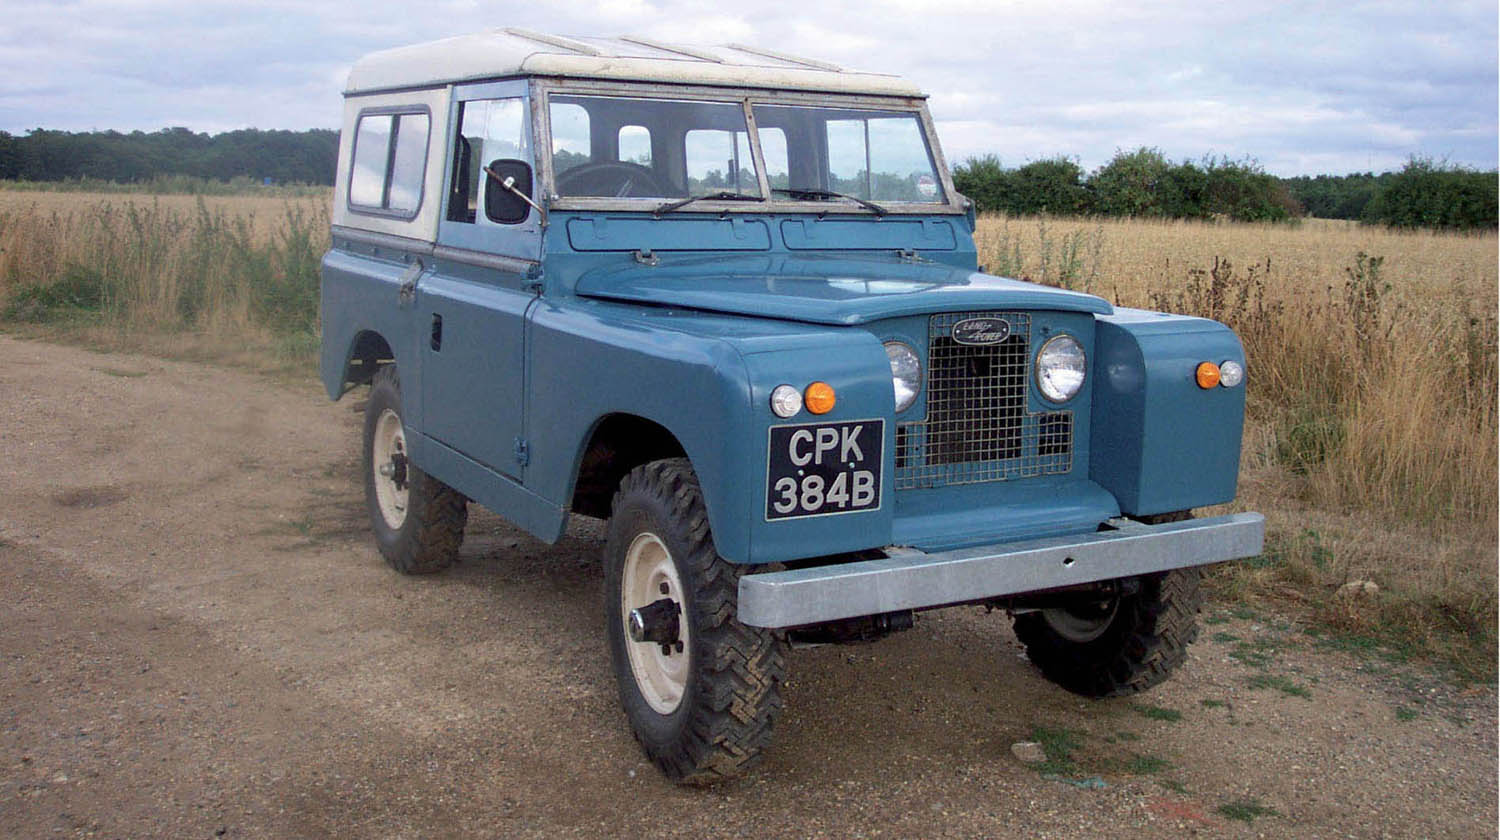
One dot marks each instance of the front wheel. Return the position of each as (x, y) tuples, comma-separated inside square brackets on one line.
[(700, 689), (1122, 645)]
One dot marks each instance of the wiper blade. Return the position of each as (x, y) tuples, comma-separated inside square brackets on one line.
[(808, 192), (724, 195)]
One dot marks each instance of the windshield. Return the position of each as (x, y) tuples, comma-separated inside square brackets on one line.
[(631, 147), (614, 147)]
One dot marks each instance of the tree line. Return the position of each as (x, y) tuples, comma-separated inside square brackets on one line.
[(1140, 183), (1143, 183), (284, 157)]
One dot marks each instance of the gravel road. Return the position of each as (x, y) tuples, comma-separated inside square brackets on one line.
[(199, 639)]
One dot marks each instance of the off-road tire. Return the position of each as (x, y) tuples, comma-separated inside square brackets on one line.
[(436, 514), (732, 694), (1144, 643)]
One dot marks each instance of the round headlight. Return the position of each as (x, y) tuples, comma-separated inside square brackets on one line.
[(906, 373), (1060, 368), (786, 401), (1231, 373)]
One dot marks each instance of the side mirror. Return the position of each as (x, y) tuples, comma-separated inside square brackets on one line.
[(971, 215), (507, 198)]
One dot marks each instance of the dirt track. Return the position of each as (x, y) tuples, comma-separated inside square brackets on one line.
[(198, 638)]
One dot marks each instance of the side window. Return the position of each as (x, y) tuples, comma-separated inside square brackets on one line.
[(719, 160), (390, 159), (635, 145), (372, 147), (489, 130)]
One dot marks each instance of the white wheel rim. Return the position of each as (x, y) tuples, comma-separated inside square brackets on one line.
[(390, 494), (650, 575)]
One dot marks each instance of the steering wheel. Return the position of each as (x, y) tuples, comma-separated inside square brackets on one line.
[(610, 179)]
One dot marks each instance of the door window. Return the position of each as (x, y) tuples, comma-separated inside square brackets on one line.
[(489, 130)]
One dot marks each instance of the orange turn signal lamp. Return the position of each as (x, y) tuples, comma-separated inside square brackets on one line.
[(1207, 375), (819, 397)]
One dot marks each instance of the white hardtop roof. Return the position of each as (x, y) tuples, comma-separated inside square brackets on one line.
[(500, 53)]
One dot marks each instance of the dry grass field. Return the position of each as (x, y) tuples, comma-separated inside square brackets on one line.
[(1370, 445)]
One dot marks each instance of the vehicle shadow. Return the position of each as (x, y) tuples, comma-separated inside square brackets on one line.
[(955, 688)]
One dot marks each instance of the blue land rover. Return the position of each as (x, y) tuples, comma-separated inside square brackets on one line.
[(728, 299)]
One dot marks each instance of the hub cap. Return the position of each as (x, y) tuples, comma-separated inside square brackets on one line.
[(660, 671), (1084, 622), (388, 456)]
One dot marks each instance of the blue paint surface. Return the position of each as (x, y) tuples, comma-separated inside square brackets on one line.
[(689, 320)]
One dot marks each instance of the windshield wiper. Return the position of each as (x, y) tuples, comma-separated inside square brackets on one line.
[(724, 195), (809, 192)]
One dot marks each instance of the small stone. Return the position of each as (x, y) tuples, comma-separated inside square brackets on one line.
[(1028, 752), (1359, 587)]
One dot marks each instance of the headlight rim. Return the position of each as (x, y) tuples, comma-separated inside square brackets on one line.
[(1036, 365), (916, 396)]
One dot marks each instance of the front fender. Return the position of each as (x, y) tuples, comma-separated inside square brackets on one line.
[(712, 393), (587, 364), (1161, 443)]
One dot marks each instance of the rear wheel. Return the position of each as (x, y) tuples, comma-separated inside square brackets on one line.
[(701, 690), (418, 521)]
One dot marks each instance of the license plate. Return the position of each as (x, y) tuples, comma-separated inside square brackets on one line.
[(819, 469)]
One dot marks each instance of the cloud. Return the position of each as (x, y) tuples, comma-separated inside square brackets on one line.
[(1306, 88)]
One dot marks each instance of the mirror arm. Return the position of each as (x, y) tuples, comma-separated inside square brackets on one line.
[(509, 183)]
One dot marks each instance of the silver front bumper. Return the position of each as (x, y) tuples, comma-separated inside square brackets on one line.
[(911, 579)]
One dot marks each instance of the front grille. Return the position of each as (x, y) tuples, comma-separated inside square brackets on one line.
[(977, 428)]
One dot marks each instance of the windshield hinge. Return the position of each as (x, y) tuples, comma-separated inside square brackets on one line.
[(645, 257), (523, 453), (908, 255)]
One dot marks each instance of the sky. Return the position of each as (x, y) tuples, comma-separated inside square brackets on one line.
[(1303, 88)]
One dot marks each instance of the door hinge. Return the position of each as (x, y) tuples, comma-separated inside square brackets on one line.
[(407, 291), (523, 452)]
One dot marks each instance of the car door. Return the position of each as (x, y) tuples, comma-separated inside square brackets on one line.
[(473, 306)]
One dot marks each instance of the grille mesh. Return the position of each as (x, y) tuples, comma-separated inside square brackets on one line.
[(977, 428)]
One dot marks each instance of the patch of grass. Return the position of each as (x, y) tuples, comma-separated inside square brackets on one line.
[(1059, 744), (1145, 765), (1282, 684), (1127, 736), (1256, 654), (1360, 645), (1212, 704), (1156, 712), (121, 372), (1246, 810), (1403, 713), (1217, 618), (1221, 636), (1173, 785)]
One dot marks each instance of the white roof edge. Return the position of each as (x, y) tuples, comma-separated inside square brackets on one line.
[(501, 53)]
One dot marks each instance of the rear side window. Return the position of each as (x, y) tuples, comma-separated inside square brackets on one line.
[(390, 160)]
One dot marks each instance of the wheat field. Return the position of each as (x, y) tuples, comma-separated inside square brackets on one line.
[(1371, 431)]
